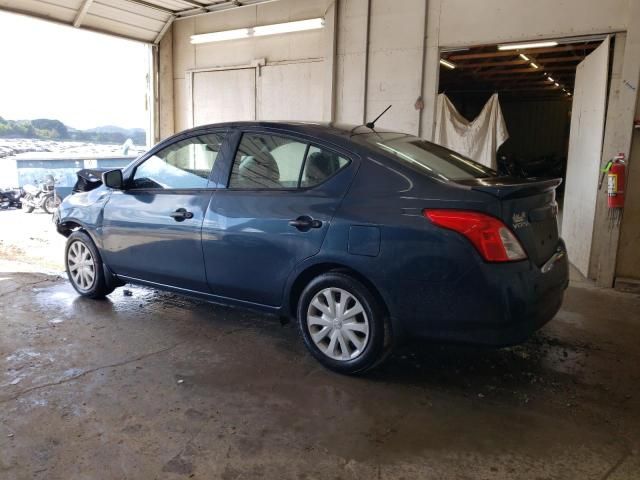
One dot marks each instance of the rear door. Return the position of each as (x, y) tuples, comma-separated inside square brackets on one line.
[(152, 229), (281, 195)]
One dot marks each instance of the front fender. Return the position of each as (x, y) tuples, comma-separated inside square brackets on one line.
[(83, 210)]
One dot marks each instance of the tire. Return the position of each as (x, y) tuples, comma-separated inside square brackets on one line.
[(51, 203), (88, 278), (365, 336), (29, 209)]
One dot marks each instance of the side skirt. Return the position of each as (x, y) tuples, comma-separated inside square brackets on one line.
[(229, 302)]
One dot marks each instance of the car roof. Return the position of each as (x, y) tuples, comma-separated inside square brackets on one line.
[(320, 129)]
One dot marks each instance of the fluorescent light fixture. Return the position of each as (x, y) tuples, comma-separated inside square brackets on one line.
[(550, 79), (524, 57), (534, 65), (522, 46), (556, 84), (447, 63), (276, 28), (220, 36)]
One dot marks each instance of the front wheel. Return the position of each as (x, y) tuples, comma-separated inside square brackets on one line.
[(51, 203), (343, 324), (84, 266)]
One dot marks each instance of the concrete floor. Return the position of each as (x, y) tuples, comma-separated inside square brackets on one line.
[(153, 385)]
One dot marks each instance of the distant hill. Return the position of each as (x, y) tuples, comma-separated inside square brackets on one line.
[(116, 129), (48, 129)]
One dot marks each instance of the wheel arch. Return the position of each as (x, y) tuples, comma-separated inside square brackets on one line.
[(312, 271)]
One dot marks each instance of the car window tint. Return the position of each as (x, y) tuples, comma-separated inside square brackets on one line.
[(267, 161), (184, 164), (320, 165)]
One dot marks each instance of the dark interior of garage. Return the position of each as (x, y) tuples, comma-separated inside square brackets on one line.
[(535, 89)]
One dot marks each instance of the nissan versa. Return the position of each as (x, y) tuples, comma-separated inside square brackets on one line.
[(365, 237)]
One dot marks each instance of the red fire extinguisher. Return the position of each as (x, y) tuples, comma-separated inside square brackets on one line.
[(615, 182)]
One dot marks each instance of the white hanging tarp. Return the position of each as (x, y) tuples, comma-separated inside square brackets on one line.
[(478, 139)]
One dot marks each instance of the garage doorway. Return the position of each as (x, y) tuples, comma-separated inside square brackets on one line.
[(280, 91), (553, 100)]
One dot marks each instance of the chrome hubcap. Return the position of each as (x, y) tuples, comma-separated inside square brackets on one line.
[(81, 265), (338, 324)]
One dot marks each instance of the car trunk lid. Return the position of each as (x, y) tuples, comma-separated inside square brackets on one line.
[(529, 208)]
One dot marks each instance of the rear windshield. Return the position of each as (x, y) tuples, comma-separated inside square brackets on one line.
[(427, 157)]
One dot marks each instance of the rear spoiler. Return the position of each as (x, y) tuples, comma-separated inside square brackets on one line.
[(89, 179), (511, 187)]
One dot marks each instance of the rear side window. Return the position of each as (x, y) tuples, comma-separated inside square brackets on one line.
[(428, 157), (265, 161), (184, 164), (320, 165)]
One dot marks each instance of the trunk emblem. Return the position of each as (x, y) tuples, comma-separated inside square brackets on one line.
[(519, 220)]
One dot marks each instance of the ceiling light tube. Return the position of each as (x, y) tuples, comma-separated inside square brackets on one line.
[(447, 63), (550, 79), (522, 46), (299, 26), (556, 84), (524, 57), (534, 65), (276, 28), (220, 36)]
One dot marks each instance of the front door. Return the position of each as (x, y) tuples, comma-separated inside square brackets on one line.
[(152, 229), (281, 196)]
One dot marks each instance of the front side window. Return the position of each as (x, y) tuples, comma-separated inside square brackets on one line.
[(184, 164), (275, 162)]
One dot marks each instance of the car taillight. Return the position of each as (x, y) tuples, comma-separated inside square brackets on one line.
[(491, 237)]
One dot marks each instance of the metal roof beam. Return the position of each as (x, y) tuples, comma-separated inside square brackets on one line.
[(166, 26), (82, 12)]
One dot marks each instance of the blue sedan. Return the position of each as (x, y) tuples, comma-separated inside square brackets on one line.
[(365, 237)]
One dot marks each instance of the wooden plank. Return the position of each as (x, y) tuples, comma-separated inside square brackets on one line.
[(491, 73), (531, 51), (540, 61)]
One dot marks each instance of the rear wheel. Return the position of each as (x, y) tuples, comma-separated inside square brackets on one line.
[(84, 266), (343, 324)]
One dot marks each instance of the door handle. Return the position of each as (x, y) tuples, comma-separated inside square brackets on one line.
[(305, 223), (181, 214)]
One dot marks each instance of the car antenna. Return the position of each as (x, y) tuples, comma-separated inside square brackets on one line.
[(371, 125)]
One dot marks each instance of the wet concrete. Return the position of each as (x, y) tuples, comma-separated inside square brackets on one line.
[(154, 385)]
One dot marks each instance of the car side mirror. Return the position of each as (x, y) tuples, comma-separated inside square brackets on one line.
[(113, 179)]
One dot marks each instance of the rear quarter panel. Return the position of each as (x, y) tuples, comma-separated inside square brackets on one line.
[(417, 263)]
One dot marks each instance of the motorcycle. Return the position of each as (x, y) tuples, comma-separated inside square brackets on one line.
[(10, 197), (44, 196)]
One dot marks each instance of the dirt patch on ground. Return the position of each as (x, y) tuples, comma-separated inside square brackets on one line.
[(31, 238)]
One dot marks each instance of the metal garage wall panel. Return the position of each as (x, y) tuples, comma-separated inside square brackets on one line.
[(119, 28), (292, 91), (129, 11), (224, 96), (149, 21), (61, 10), (585, 150)]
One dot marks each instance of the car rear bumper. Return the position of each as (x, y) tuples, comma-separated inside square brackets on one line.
[(491, 304)]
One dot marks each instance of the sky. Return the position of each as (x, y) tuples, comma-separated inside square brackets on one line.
[(81, 78)]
